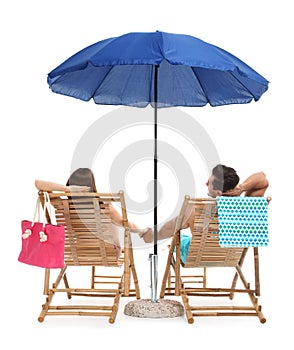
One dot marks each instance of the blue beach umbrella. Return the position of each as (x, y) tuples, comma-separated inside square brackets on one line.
[(163, 70)]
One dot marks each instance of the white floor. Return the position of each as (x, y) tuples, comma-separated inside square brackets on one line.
[(25, 299)]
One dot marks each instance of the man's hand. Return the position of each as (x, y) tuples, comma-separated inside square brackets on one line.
[(237, 191)]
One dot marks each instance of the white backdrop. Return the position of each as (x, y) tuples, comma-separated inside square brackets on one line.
[(40, 130)]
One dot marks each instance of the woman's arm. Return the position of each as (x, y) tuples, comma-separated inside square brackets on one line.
[(117, 219), (52, 186)]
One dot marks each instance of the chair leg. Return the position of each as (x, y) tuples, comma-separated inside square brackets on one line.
[(45, 307), (256, 271), (177, 264), (235, 279), (166, 276), (204, 277), (46, 281), (134, 275), (49, 292), (187, 307), (66, 285), (115, 306), (127, 277), (93, 277)]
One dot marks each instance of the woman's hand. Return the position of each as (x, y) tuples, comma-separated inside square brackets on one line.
[(148, 235)]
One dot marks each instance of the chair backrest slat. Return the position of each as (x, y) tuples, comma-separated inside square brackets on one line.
[(204, 248), (88, 227)]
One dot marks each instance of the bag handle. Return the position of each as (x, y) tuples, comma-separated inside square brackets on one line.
[(28, 231), (37, 211), (39, 208), (47, 205)]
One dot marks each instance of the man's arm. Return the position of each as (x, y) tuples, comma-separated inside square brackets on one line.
[(255, 186), (168, 229)]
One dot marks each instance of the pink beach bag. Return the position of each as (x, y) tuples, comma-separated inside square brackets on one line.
[(42, 243)]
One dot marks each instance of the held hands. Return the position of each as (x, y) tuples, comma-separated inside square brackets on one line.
[(75, 188), (148, 235)]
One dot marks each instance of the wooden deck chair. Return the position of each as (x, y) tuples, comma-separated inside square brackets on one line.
[(205, 252), (88, 242)]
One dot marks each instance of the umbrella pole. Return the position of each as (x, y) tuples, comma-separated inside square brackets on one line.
[(154, 257), (154, 308)]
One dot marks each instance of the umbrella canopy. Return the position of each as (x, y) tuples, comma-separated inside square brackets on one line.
[(121, 71), (160, 69)]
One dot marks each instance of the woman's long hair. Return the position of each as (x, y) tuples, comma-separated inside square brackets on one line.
[(82, 177)]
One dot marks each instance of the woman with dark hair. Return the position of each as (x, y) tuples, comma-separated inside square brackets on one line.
[(82, 177), (83, 180)]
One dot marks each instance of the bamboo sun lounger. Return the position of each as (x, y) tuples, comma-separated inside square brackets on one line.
[(89, 243), (206, 252)]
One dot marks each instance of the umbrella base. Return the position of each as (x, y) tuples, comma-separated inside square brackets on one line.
[(145, 308)]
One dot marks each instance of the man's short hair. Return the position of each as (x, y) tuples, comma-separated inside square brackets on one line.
[(226, 178)]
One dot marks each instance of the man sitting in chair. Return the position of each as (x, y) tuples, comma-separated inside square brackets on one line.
[(224, 181)]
